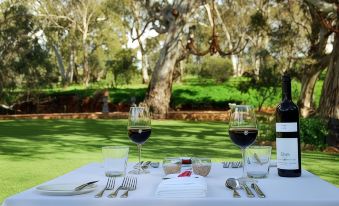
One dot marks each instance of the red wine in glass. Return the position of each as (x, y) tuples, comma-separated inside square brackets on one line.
[(139, 135), (243, 137)]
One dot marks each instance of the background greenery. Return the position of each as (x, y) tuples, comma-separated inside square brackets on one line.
[(34, 151), (192, 90)]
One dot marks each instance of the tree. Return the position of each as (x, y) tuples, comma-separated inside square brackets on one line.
[(266, 82), (319, 60), (73, 18), (329, 101), (24, 62), (176, 19), (122, 66), (171, 19)]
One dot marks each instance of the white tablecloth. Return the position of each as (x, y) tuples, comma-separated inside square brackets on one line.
[(307, 190)]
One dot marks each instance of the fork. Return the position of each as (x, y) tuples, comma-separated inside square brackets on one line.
[(132, 185), (109, 186), (232, 164), (123, 186)]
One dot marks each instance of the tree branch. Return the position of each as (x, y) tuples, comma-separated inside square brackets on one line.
[(323, 6)]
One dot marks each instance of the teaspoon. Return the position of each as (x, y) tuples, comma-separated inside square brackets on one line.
[(232, 184)]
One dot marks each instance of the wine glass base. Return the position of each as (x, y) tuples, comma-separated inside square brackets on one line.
[(138, 172)]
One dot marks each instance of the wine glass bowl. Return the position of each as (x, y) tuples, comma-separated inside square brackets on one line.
[(139, 130), (243, 129)]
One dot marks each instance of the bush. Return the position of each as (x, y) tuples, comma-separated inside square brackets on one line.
[(313, 131), (217, 68)]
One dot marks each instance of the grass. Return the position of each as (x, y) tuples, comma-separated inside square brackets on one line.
[(34, 151)]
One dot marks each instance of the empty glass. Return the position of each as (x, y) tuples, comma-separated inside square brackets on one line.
[(115, 160), (257, 161)]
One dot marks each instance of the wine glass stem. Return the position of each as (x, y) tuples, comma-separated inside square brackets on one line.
[(139, 155), (243, 162)]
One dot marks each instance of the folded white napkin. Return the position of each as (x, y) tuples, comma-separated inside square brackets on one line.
[(182, 187)]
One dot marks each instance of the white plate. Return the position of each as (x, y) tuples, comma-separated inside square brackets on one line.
[(64, 189)]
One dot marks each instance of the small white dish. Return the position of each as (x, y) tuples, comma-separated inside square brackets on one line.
[(66, 189)]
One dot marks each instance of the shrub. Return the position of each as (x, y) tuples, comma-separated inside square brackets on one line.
[(217, 68), (313, 131)]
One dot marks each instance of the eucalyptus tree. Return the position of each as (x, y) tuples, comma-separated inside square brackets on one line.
[(176, 19), (24, 62), (328, 12), (318, 58), (172, 18), (76, 18)]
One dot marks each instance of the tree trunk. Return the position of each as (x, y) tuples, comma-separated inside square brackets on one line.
[(144, 68), (86, 74), (305, 102), (329, 100), (60, 63), (310, 73), (160, 87), (71, 65), (235, 65), (308, 81)]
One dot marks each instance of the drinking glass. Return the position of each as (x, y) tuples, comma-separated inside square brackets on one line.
[(243, 128), (115, 160), (139, 130)]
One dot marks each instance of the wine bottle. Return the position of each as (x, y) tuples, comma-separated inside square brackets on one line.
[(287, 133)]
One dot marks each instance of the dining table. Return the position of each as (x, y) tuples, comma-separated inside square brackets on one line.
[(308, 190)]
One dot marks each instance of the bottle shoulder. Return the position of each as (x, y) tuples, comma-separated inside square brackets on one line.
[(287, 105)]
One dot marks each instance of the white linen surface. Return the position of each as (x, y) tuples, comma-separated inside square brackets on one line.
[(182, 187), (307, 190)]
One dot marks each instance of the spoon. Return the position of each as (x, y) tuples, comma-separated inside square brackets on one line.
[(232, 184)]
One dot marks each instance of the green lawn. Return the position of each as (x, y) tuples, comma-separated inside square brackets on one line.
[(33, 151)]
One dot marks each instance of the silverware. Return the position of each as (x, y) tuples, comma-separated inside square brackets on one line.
[(136, 166), (249, 193), (123, 186), (109, 186), (84, 185), (232, 164), (258, 190), (145, 165), (131, 185), (232, 185)]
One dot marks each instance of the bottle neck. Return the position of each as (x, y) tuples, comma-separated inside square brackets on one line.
[(286, 90)]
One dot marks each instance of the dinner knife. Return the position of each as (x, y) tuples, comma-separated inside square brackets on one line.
[(258, 190), (249, 193), (84, 185)]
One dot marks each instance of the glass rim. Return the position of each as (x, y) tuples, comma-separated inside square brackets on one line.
[(115, 147), (243, 105), (259, 147)]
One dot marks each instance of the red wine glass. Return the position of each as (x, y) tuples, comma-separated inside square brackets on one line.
[(139, 130), (243, 128)]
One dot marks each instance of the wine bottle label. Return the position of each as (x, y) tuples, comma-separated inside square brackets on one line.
[(286, 127), (287, 153)]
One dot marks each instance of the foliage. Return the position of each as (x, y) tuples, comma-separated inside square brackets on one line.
[(123, 67), (313, 131), (266, 83), (217, 68), (24, 62)]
